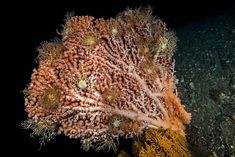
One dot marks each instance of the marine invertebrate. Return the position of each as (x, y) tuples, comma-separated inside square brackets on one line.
[(101, 74), (49, 99), (107, 145), (116, 122), (50, 50), (90, 40), (41, 129), (161, 142), (167, 42), (82, 84)]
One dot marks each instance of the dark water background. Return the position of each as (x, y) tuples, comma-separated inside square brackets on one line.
[(205, 64)]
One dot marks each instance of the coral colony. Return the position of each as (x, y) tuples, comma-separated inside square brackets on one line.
[(105, 79)]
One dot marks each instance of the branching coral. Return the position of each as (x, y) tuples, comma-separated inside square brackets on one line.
[(161, 143), (103, 69)]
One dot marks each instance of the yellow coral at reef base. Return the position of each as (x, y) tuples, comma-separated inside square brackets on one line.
[(161, 143)]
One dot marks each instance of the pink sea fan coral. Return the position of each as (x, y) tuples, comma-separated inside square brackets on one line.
[(110, 78)]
